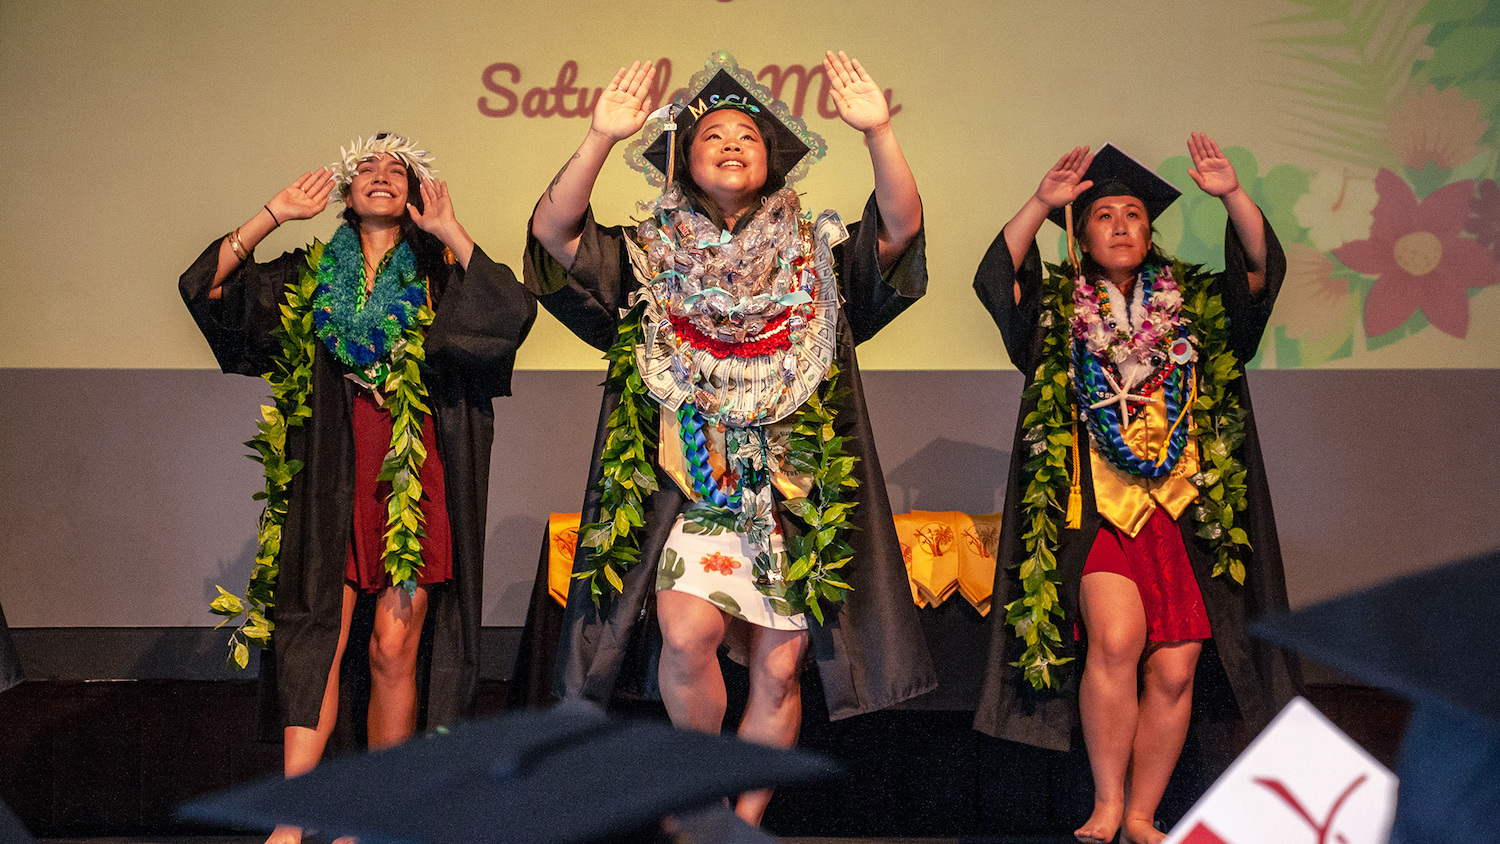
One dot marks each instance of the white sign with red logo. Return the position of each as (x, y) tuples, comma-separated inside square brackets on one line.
[(1302, 781)]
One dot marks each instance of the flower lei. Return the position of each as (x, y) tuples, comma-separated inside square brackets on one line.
[(1219, 422), (290, 379), (1102, 343)]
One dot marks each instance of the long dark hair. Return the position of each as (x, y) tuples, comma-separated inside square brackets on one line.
[(682, 174)]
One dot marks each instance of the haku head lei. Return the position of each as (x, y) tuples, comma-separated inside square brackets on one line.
[(418, 161), (722, 83)]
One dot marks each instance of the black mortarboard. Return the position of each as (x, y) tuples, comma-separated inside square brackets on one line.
[(721, 84), (1116, 174), (1433, 638), (12, 831), (568, 774)]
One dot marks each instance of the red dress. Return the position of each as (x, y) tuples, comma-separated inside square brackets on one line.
[(1157, 561), (372, 441)]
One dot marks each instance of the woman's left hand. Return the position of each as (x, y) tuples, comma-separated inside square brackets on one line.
[(439, 214), (438, 220), (859, 100), (1211, 169)]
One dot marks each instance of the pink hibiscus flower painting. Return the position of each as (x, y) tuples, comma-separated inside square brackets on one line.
[(1419, 258)]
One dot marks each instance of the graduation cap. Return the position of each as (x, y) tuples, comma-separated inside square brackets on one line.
[(722, 84), (12, 831), (1116, 174), (568, 774), (1432, 638)]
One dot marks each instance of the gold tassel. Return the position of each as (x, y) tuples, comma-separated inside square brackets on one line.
[(1074, 518)]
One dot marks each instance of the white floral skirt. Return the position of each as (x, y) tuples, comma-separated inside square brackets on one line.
[(717, 564)]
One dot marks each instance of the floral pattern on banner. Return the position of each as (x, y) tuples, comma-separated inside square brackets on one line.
[(1391, 221), (1419, 258)]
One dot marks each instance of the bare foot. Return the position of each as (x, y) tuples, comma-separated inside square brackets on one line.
[(286, 835), (1102, 825), (1141, 830)]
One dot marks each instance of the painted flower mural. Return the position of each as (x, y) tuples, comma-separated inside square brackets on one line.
[(1315, 303), (1484, 222), (1419, 257), (1441, 128), (1336, 209)]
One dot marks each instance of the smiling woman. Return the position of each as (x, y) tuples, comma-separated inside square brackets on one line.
[(384, 348), (730, 319)]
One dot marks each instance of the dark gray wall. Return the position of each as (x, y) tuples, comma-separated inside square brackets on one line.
[(125, 494)]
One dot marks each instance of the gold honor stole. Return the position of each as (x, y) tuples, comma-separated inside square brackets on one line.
[(1127, 500)]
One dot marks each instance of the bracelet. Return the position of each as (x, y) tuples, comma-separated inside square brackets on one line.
[(238, 247), (267, 206)]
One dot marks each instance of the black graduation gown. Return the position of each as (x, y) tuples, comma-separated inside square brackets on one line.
[(480, 318), (1261, 678), (10, 664), (872, 653)]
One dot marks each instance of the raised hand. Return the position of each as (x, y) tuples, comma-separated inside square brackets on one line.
[(621, 110), (1064, 182), (1211, 169), (439, 221), (439, 214), (859, 100), (303, 199)]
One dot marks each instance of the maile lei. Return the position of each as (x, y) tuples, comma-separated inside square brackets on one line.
[(629, 475), (1218, 423), (381, 338)]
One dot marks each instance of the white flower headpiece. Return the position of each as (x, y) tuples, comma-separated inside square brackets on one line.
[(418, 161)]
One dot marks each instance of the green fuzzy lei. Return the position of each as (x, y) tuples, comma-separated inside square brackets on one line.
[(1219, 424), (290, 379), (629, 475)]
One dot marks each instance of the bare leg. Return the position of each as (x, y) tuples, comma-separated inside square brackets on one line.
[(393, 665), (1166, 706), (692, 686), (303, 747), (1107, 702), (773, 712)]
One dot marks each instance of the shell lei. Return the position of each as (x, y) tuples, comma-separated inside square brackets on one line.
[(1219, 425), (290, 379)]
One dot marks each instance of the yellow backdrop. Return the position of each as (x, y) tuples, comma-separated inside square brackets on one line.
[(137, 132)]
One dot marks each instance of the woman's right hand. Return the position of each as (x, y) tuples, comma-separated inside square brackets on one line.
[(303, 199), (621, 109), (1064, 182)]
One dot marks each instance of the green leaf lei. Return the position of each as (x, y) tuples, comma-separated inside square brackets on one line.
[(819, 552), (628, 475), (629, 468), (290, 379), (1220, 427)]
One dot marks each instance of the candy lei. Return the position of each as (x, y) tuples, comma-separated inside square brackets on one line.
[(290, 379), (1218, 423)]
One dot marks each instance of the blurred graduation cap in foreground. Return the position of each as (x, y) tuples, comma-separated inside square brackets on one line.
[(1434, 639), (568, 774), (12, 831)]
